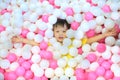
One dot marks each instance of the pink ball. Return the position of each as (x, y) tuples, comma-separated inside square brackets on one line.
[(45, 18), (42, 52), (44, 78), (41, 32), (100, 60), (43, 45), (48, 55), (108, 75), (80, 50), (3, 11), (106, 64), (88, 16), (80, 74), (21, 60), (2, 28), (90, 33), (101, 47), (20, 71), (91, 57), (69, 11), (53, 64), (36, 78), (100, 71), (24, 32), (2, 70), (28, 75), (106, 8), (10, 76), (26, 65), (51, 2), (116, 78), (75, 25), (91, 76), (11, 57)]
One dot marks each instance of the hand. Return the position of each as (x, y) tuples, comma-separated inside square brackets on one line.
[(111, 32), (16, 39)]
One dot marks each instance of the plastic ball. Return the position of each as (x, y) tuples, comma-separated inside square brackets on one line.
[(114, 6), (115, 15), (70, 33), (92, 76), (73, 78), (94, 66), (96, 11), (49, 72), (43, 45), (26, 65), (101, 47), (106, 8), (28, 74), (67, 42), (91, 57), (84, 27), (85, 64), (1, 76), (106, 55), (26, 55), (86, 7), (94, 45), (69, 11), (20, 78), (117, 72), (77, 43), (11, 57), (64, 77), (78, 17), (44, 64), (53, 64), (109, 23), (32, 27), (13, 66), (69, 72), (88, 16), (3, 53), (86, 48), (109, 74), (24, 32), (100, 71), (79, 34), (63, 50), (59, 71), (90, 33), (115, 58), (74, 25), (35, 58), (49, 33), (116, 78), (35, 50), (110, 40), (73, 51), (100, 20), (115, 49), (2, 28), (72, 62), (11, 76), (5, 64), (39, 72), (70, 19), (52, 19), (61, 62), (100, 78), (45, 18), (20, 71), (30, 35)]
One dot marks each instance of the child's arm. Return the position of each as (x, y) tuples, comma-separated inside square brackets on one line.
[(111, 32), (23, 40)]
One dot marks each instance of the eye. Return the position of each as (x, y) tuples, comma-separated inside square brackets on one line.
[(64, 31), (57, 31)]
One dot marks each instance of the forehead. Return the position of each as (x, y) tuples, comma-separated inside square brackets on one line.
[(58, 27)]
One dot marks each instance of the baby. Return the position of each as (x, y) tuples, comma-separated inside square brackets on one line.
[(59, 30)]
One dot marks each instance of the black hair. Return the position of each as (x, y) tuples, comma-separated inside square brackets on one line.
[(61, 22)]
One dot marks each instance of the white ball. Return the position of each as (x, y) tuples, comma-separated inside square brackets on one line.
[(94, 66), (115, 15), (76, 8), (5, 63), (49, 33), (63, 15), (3, 53), (73, 78), (78, 17), (59, 71), (70, 19), (117, 72), (72, 62), (100, 78), (76, 43), (56, 55), (24, 7), (35, 50), (55, 78), (44, 64), (117, 43), (73, 51), (84, 26), (101, 3), (20, 78), (49, 73), (39, 72), (38, 38), (61, 62), (115, 49), (32, 27), (100, 20), (26, 55), (115, 58), (114, 67), (41, 25), (86, 7), (57, 12), (110, 40), (94, 45), (79, 34), (14, 65), (114, 6), (109, 23), (64, 77), (85, 64), (107, 54), (57, 45), (34, 66), (96, 11), (79, 58), (1, 76), (98, 29), (30, 35), (63, 50), (35, 58), (70, 33), (52, 19), (67, 42), (86, 48)]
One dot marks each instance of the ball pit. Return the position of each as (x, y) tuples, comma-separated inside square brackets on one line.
[(74, 60)]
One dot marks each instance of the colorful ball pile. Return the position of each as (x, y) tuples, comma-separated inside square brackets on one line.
[(33, 19)]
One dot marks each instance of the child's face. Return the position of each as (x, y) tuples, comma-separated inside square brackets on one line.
[(60, 33)]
